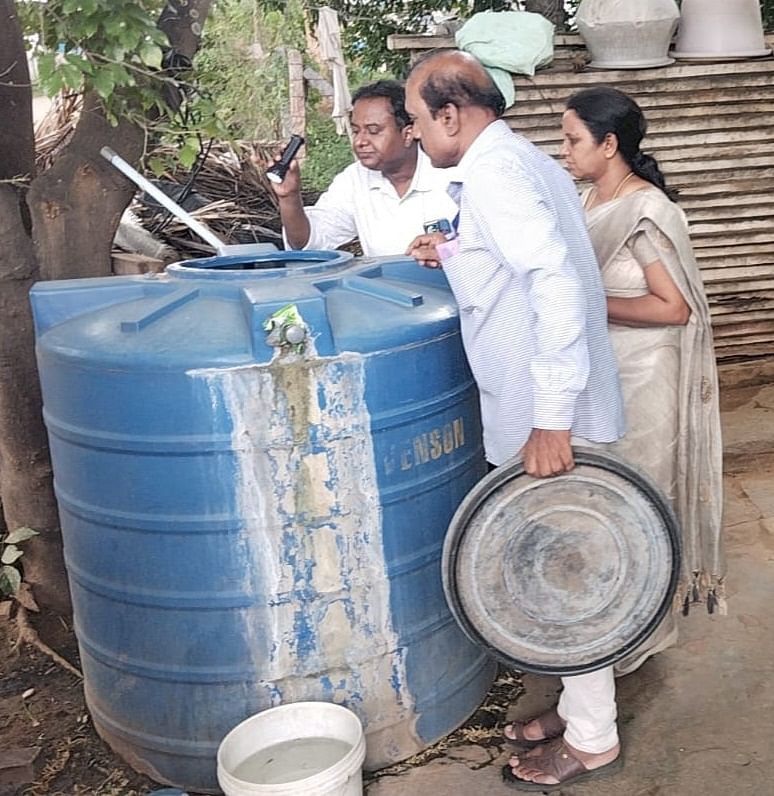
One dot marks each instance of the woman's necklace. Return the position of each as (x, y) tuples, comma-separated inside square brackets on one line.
[(594, 196), (621, 185)]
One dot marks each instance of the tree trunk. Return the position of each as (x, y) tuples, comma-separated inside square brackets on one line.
[(73, 210), (17, 140), (77, 204), (183, 22), (552, 10), (25, 477), (25, 471)]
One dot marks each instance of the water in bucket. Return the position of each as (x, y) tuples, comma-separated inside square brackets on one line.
[(296, 749), (289, 761)]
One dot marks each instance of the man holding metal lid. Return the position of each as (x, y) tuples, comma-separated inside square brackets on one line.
[(534, 326), (384, 199)]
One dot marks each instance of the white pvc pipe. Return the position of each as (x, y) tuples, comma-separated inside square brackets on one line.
[(159, 195)]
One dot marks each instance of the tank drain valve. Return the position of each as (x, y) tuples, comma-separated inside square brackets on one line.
[(286, 327)]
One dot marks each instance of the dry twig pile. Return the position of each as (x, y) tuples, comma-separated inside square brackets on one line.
[(224, 190)]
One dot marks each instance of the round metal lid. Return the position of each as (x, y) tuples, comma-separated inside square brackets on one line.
[(562, 575)]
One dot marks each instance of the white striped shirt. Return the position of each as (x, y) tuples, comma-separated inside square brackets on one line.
[(532, 305)]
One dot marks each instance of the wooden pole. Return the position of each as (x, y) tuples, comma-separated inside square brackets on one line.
[(297, 96)]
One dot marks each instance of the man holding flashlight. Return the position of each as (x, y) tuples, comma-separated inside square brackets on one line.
[(385, 198)]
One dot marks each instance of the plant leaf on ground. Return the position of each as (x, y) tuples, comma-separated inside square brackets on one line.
[(10, 576), (10, 580), (20, 535)]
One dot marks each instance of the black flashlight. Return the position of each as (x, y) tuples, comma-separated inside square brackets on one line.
[(278, 171)]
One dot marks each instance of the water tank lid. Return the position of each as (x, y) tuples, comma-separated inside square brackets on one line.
[(562, 575)]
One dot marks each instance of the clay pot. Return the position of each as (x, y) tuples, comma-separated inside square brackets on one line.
[(628, 34)]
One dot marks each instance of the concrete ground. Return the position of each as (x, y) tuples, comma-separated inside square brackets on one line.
[(697, 720)]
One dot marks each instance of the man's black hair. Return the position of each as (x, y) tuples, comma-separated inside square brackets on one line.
[(390, 90)]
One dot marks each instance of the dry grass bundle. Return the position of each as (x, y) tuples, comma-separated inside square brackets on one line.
[(55, 129), (225, 190)]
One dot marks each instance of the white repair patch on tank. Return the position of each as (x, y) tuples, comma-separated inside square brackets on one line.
[(314, 557)]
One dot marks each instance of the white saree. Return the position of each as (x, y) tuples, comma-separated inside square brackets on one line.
[(669, 383)]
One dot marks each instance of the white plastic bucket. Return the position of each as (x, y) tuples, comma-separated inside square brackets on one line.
[(295, 722)]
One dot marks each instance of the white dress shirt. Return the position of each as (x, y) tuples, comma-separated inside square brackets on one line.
[(532, 305), (362, 203)]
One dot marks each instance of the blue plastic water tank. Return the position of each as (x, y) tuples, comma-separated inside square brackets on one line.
[(247, 525)]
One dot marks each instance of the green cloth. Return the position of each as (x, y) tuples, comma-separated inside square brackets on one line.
[(508, 42)]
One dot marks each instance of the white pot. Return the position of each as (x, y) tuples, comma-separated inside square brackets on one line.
[(720, 29), (628, 34)]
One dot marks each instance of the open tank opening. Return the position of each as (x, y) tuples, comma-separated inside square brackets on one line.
[(268, 263)]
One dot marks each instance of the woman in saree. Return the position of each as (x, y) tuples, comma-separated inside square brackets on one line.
[(659, 325)]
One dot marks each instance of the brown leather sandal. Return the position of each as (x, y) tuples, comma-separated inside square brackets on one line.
[(559, 762), (550, 723)]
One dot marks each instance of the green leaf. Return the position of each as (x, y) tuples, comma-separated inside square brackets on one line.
[(10, 580), (20, 535), (129, 38), (151, 54), (103, 83), (133, 12), (188, 155), (121, 75), (11, 553), (157, 166), (79, 61), (89, 26), (115, 52), (87, 67), (54, 84), (46, 66), (72, 76), (159, 37), (114, 25)]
